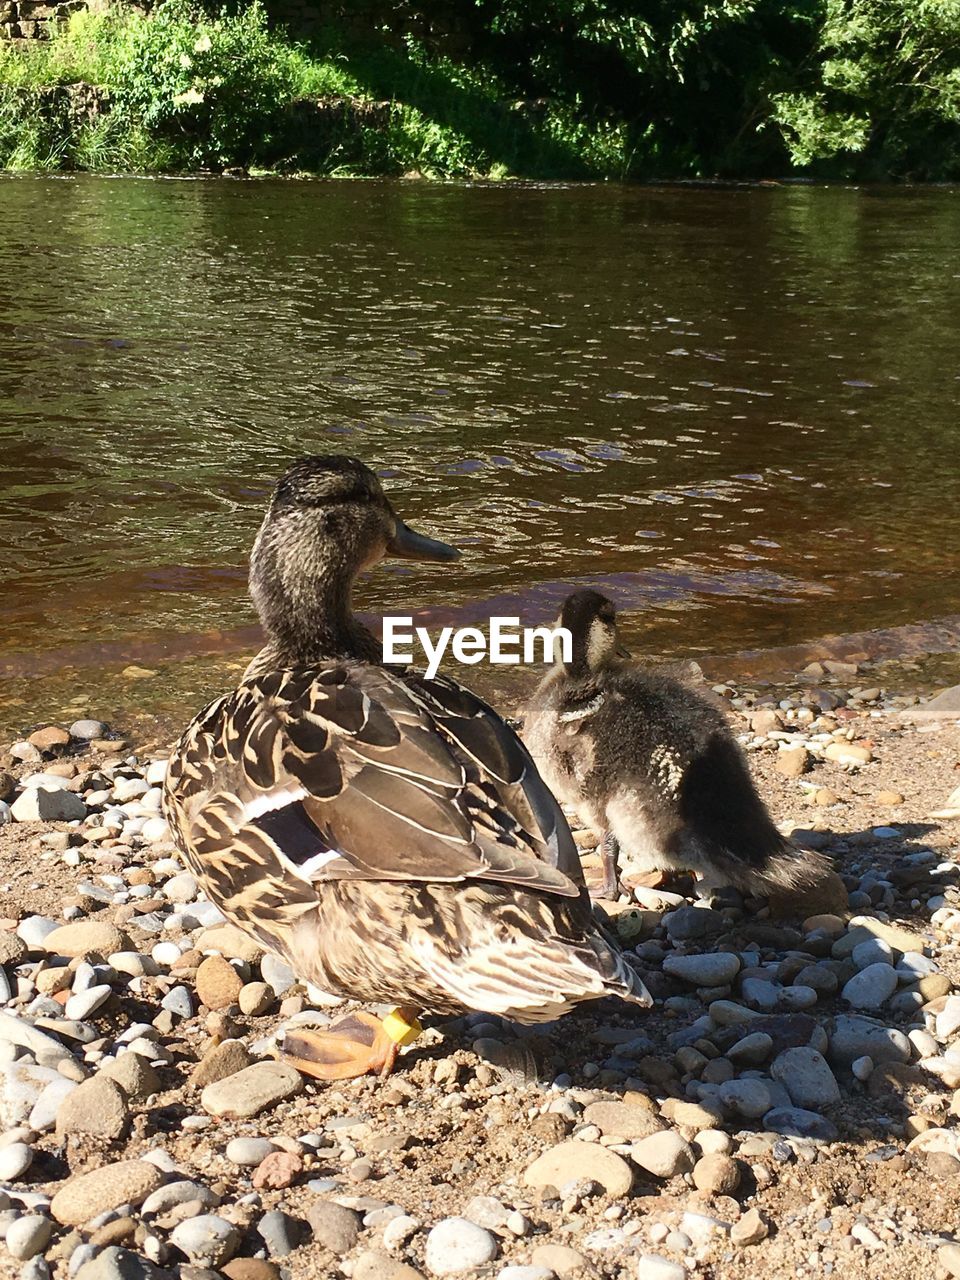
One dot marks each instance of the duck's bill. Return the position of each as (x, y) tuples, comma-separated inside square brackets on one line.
[(410, 545)]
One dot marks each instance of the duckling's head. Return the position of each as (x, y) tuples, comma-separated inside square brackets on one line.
[(328, 519), (591, 620)]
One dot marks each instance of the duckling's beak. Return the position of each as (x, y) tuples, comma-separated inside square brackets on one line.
[(622, 652), (410, 545)]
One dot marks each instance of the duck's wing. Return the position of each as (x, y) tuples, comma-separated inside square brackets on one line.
[(356, 772)]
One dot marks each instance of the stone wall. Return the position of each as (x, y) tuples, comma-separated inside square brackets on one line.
[(32, 19)]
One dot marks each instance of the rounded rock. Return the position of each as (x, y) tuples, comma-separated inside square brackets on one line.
[(718, 1175), (206, 1240), (573, 1160), (871, 987), (334, 1226), (714, 969), (90, 1194), (807, 1078), (248, 1152), (15, 1160), (28, 1236), (665, 1155), (457, 1245), (218, 983)]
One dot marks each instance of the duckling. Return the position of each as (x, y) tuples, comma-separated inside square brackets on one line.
[(386, 834), (652, 767)]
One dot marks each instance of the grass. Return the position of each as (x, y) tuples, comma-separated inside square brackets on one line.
[(187, 90)]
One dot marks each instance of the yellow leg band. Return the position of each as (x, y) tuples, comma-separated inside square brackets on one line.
[(399, 1029)]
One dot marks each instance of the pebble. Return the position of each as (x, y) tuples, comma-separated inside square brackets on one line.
[(87, 730), (48, 804), (334, 1226), (855, 1037), (248, 1152), (97, 1107), (83, 937), (871, 987), (622, 1120), (807, 1078), (749, 1229), (560, 1259), (252, 1090), (456, 1245), (717, 1175), (279, 1232), (800, 1123), (715, 969), (278, 1170), (87, 1002), (206, 1240), (575, 1160), (89, 1194), (218, 983), (748, 1098), (15, 1160), (28, 1235), (223, 1060), (666, 1154), (654, 1266), (172, 1194)]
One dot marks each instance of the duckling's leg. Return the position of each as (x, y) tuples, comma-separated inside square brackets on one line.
[(609, 865), (353, 1045)]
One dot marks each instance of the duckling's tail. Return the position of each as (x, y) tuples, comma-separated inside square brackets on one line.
[(734, 832)]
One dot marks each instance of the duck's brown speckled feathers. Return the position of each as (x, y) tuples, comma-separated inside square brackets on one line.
[(391, 837)]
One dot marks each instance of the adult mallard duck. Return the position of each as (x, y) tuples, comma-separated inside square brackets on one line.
[(652, 766), (388, 835)]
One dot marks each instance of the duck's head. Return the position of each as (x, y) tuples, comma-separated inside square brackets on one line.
[(591, 621), (328, 519)]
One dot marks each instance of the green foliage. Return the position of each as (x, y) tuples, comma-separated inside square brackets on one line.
[(496, 88), (882, 97)]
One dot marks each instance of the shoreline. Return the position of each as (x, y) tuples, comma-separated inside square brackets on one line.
[(793, 1096)]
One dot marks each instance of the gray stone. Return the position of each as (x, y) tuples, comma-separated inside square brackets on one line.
[(34, 930), (714, 969), (114, 1263), (857, 1037), (84, 1003), (172, 1194), (807, 1078), (15, 1159), (87, 730), (248, 1151), (280, 1233), (206, 1240), (48, 804), (21, 1084), (689, 923), (871, 987), (752, 1049), (334, 1226), (748, 1098), (796, 1122), (28, 1235), (456, 1245)]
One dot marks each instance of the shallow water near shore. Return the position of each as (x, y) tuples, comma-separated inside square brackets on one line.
[(732, 409)]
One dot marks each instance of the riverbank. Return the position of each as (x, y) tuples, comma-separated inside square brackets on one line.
[(744, 91), (789, 1106)]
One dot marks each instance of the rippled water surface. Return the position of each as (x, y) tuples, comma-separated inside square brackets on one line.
[(735, 410)]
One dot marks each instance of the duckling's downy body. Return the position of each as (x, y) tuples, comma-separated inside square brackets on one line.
[(652, 767), (387, 834)]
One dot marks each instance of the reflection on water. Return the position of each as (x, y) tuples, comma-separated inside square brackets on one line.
[(733, 409)]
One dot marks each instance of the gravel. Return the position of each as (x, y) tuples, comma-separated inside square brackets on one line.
[(791, 1093)]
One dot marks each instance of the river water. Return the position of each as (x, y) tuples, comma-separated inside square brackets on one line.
[(732, 409)]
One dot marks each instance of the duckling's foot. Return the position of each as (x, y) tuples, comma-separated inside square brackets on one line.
[(352, 1046), (609, 887)]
